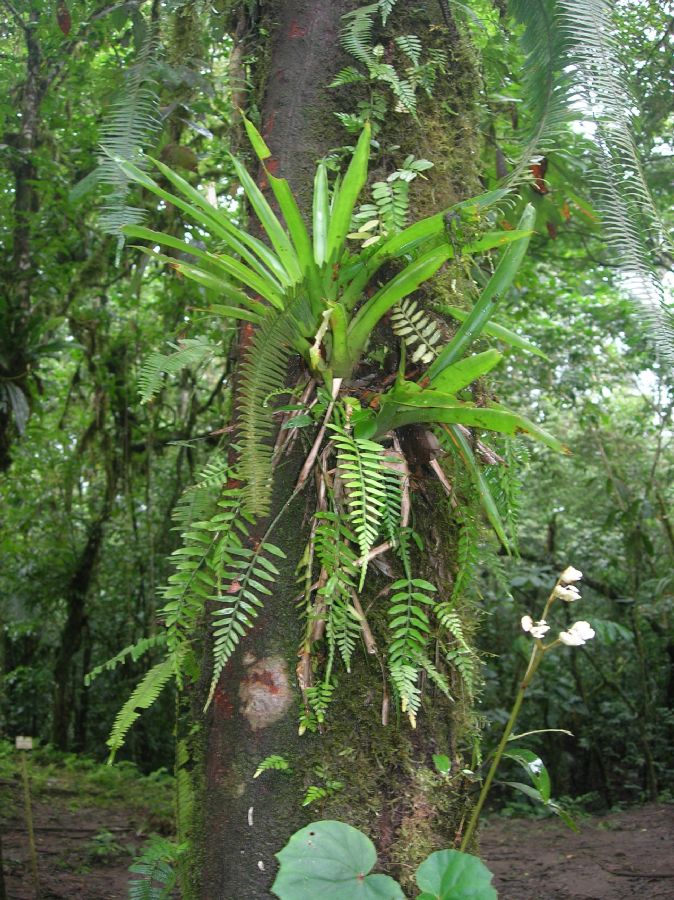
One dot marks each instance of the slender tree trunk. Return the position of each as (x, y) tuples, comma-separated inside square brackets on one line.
[(390, 787)]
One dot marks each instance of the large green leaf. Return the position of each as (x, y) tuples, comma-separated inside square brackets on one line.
[(534, 766), (482, 311), (330, 861), (494, 330), (350, 188), (452, 875), (458, 376), (321, 214), (265, 287)]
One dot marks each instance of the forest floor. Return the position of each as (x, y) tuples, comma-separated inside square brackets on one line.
[(614, 857), (91, 820)]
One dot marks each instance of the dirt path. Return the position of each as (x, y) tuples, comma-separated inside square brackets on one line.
[(618, 856)]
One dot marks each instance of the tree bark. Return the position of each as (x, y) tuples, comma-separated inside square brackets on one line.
[(390, 787)]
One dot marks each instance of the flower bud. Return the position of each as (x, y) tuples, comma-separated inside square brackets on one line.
[(569, 575), (568, 594), (577, 635)]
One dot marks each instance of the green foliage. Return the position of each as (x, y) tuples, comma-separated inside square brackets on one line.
[(273, 763), (134, 652), (155, 868), (332, 859), (190, 353)]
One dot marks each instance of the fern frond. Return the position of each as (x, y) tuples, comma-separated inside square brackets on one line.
[(129, 126), (263, 374), (630, 221), (333, 549), (132, 652), (357, 33), (468, 554), (420, 332), (157, 876), (243, 581), (385, 7), (190, 352), (459, 654), (144, 695), (411, 46), (360, 464), (409, 627), (348, 75), (273, 763)]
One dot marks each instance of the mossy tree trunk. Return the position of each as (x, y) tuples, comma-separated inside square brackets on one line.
[(390, 787)]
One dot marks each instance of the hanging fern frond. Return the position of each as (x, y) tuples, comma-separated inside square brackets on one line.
[(262, 375), (630, 221), (411, 46), (336, 556), (144, 695), (243, 577), (127, 130), (385, 7), (357, 33), (157, 876), (133, 652), (191, 352), (420, 332), (468, 554), (409, 626), (361, 468)]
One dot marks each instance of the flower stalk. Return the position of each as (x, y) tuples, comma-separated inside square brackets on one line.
[(577, 634)]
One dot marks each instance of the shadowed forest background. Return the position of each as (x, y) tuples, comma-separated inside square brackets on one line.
[(118, 385)]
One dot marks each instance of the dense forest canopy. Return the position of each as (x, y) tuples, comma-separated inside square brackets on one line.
[(121, 373)]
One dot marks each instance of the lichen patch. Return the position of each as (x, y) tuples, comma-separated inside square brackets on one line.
[(265, 692)]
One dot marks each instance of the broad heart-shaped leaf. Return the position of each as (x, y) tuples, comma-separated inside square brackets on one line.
[(331, 861), (452, 875)]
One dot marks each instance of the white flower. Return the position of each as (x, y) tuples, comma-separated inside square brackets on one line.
[(569, 575), (578, 634), (568, 594), (535, 629)]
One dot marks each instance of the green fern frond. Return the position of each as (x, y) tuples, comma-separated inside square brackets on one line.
[(191, 352), (273, 763), (468, 554), (157, 876), (263, 374), (360, 464), (144, 695), (243, 576), (348, 75), (459, 654), (128, 128), (385, 7), (411, 46), (420, 332), (334, 553), (132, 652), (357, 33)]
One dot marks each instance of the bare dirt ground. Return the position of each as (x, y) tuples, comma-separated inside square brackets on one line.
[(614, 857)]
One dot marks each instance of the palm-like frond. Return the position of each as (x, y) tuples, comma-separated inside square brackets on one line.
[(127, 130)]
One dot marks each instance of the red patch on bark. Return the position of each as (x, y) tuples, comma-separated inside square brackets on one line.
[(223, 706), (63, 18), (271, 165), (265, 678), (296, 30), (552, 229)]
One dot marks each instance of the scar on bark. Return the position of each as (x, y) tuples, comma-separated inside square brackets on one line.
[(265, 691)]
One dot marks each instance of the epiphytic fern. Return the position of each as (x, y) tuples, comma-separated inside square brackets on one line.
[(409, 626), (144, 695), (190, 352), (243, 577), (337, 558), (457, 652), (385, 7), (157, 876), (273, 763), (127, 130), (418, 330), (360, 465), (132, 652), (263, 374)]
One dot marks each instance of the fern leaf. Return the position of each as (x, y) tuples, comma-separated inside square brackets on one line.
[(357, 33), (360, 464), (191, 352), (420, 332), (143, 697), (133, 652), (385, 7), (129, 126), (273, 763)]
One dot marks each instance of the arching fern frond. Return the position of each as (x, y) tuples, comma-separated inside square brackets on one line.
[(190, 352), (132, 652), (357, 33), (144, 695), (131, 123)]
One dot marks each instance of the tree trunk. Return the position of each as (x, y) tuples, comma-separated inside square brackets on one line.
[(390, 787)]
